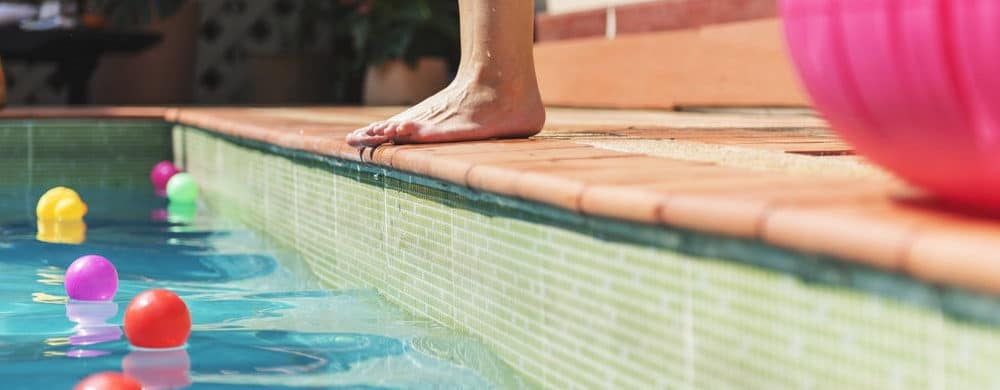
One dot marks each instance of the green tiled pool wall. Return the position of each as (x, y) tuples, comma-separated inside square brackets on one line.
[(96, 154), (579, 302), (78, 152)]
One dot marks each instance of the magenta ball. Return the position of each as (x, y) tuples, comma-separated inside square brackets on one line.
[(91, 278), (161, 174)]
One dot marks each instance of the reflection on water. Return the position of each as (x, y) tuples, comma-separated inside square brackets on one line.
[(92, 327), (260, 320), (62, 232), (168, 369), (184, 213)]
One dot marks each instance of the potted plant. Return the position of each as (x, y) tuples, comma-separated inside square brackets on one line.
[(163, 74), (408, 49), (295, 68)]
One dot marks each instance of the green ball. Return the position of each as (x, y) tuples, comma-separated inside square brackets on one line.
[(182, 188)]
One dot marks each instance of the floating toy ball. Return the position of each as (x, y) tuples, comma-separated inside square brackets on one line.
[(161, 174), (91, 278), (108, 381), (157, 318), (911, 85), (60, 204), (182, 188)]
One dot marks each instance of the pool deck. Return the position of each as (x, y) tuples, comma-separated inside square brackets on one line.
[(779, 176)]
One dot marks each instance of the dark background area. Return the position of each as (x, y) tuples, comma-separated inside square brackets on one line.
[(258, 52)]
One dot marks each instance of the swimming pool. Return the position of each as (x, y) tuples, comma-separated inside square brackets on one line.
[(260, 319), (566, 300)]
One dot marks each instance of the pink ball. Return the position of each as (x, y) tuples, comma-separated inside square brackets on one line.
[(911, 85), (91, 278), (161, 174)]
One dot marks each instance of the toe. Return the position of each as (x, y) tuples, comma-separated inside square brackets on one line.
[(379, 129), (391, 129), (359, 138), (356, 138), (405, 132), (379, 133), (375, 140), (406, 129)]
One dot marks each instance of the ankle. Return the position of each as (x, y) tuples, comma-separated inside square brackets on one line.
[(501, 77)]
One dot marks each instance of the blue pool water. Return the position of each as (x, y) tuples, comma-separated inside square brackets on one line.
[(260, 319)]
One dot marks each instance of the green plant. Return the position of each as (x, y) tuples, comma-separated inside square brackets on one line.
[(407, 30), (383, 30), (371, 32)]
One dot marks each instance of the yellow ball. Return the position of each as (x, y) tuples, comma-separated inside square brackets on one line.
[(70, 209), (60, 204), (46, 208)]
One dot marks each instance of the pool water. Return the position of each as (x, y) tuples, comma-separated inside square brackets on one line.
[(259, 319)]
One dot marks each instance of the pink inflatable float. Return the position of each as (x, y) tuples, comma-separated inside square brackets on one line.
[(913, 85)]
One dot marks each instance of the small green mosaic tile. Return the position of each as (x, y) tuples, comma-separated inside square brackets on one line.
[(573, 301)]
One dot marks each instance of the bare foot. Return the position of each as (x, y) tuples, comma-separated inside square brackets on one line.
[(464, 111), (495, 94)]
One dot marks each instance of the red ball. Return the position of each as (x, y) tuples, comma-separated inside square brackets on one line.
[(157, 319), (108, 381)]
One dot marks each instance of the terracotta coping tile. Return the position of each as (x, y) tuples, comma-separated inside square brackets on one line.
[(492, 178), (554, 190), (718, 205), (199, 119), (848, 232), (506, 146), (614, 175), (172, 114), (677, 200), (488, 146), (248, 131), (412, 160), (957, 257), (530, 152), (626, 163), (84, 112), (543, 156), (450, 169), (308, 138), (645, 199), (892, 231), (503, 176), (348, 152), (326, 146), (726, 215), (702, 200), (382, 155), (288, 140), (627, 203), (459, 168), (315, 139)]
